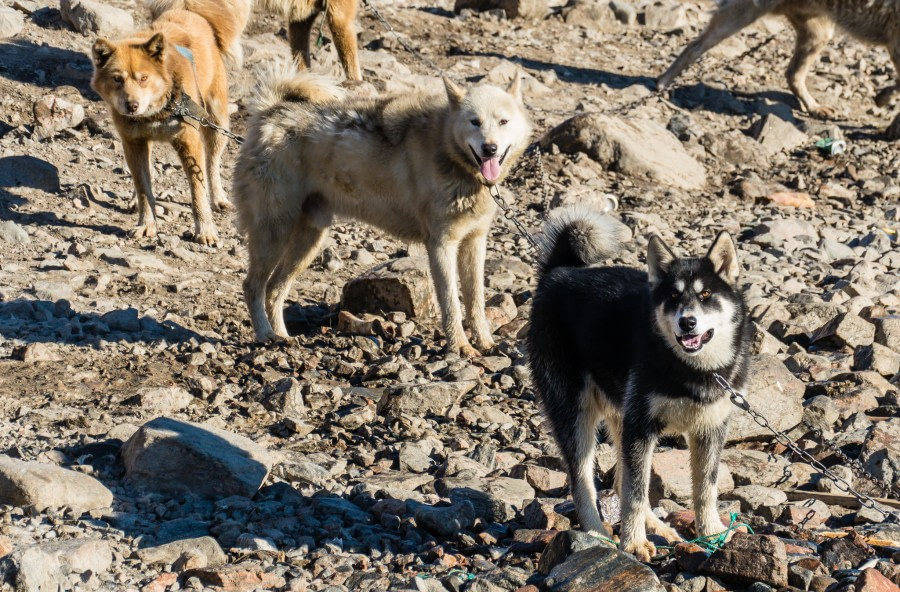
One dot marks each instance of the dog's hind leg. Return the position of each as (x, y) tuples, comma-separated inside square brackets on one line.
[(636, 453), (341, 16), (813, 34), (298, 37), (706, 449), (264, 249), (299, 251), (893, 130), (472, 251), (726, 21)]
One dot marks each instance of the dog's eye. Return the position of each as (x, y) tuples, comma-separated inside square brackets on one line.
[(504, 121), (118, 79), (705, 294), (476, 122), (676, 295), (143, 78)]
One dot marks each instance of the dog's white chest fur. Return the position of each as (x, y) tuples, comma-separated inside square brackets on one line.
[(686, 416)]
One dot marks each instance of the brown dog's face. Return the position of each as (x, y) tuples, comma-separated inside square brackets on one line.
[(131, 77)]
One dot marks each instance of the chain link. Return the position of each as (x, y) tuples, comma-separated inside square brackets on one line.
[(181, 111), (510, 215), (857, 467), (864, 500)]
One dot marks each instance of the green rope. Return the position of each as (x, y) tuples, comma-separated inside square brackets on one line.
[(710, 542), (453, 572)]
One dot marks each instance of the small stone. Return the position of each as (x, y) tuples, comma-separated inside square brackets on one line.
[(777, 135), (170, 552), (541, 478), (887, 331), (872, 580), (806, 514), (566, 543), (845, 329), (595, 569), (10, 231), (448, 520), (771, 385), (91, 17), (401, 285), (670, 477), (665, 16), (54, 114), (878, 358), (240, 577), (172, 455), (46, 566), (541, 514), (42, 485), (11, 22), (757, 499), (418, 400), (750, 558), (163, 400)]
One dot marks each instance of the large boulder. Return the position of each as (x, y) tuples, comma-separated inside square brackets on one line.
[(635, 147), (600, 569), (172, 455), (42, 485), (91, 17), (48, 567)]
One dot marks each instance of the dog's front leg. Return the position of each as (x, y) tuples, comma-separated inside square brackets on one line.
[(189, 147), (472, 252), (706, 449), (442, 255), (137, 156), (638, 443)]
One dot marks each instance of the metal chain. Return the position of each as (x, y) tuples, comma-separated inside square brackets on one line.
[(417, 54), (857, 467), (864, 500), (181, 111), (510, 215)]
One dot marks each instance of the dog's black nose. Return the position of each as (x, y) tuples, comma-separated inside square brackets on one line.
[(132, 106), (489, 149), (687, 323)]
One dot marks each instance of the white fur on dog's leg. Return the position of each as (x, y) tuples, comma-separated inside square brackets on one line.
[(660, 528), (442, 258), (643, 550)]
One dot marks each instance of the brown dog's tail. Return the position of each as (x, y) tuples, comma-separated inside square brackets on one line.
[(226, 17), (281, 81)]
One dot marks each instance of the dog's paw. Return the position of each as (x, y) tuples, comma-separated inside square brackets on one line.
[(270, 337), (223, 205), (823, 112), (644, 550), (485, 344), (467, 351), (667, 532), (143, 231), (206, 237)]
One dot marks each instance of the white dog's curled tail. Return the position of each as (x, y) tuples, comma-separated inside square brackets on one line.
[(281, 81), (577, 236)]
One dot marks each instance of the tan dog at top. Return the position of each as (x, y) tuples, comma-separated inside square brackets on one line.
[(873, 21), (418, 166), (145, 76)]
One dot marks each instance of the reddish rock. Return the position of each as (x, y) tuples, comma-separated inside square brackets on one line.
[(683, 522), (6, 546), (871, 580), (239, 577), (541, 478), (747, 559), (540, 513), (161, 582), (690, 556), (528, 588)]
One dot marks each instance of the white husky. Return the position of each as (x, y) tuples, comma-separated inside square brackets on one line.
[(418, 166)]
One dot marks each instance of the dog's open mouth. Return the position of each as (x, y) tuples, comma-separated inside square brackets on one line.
[(490, 165), (694, 343)]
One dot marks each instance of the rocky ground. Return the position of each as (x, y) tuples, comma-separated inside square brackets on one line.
[(149, 445)]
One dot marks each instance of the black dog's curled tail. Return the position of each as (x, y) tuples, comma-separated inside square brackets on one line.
[(576, 236)]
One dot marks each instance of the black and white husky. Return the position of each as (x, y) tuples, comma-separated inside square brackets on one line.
[(638, 351)]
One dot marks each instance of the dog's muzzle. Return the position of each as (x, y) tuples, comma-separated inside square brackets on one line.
[(694, 343)]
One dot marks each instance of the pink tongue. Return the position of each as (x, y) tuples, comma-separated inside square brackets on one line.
[(692, 342), (490, 168)]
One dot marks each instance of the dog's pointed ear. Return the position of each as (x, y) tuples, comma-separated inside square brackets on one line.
[(659, 258), (515, 87), (156, 47), (723, 256), (101, 51), (455, 93)]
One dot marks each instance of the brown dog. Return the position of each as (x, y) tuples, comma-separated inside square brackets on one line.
[(146, 76), (301, 15), (876, 22)]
